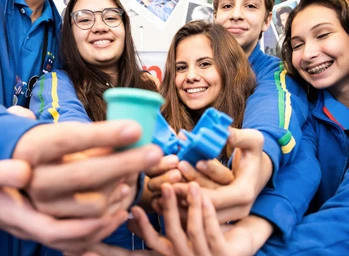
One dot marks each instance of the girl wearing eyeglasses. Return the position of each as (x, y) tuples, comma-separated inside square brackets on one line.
[(98, 53)]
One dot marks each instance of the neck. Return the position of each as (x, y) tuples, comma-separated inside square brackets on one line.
[(341, 95), (113, 77), (36, 6)]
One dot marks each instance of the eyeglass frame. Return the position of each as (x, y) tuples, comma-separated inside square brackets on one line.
[(119, 10)]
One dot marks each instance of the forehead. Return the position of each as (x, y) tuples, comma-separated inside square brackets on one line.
[(93, 5), (194, 47), (312, 16)]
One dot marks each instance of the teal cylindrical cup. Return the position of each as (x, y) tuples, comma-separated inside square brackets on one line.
[(136, 104)]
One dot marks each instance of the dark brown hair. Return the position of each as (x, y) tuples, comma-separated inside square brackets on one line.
[(341, 7), (237, 77), (90, 82)]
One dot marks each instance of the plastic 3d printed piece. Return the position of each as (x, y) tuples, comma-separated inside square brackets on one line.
[(207, 139), (205, 142)]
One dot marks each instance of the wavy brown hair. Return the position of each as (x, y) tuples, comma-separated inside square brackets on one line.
[(238, 79), (90, 82), (341, 7)]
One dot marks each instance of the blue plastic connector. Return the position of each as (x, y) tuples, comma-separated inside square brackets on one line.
[(205, 142), (207, 139), (165, 137)]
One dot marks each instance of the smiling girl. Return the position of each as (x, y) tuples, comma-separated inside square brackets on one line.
[(98, 53), (205, 67)]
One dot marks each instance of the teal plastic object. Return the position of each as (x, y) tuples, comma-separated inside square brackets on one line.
[(136, 104)]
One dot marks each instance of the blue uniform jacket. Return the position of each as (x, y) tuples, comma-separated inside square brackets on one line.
[(325, 229), (54, 99), (278, 108)]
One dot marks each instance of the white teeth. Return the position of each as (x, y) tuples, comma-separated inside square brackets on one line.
[(101, 42), (195, 90), (320, 68)]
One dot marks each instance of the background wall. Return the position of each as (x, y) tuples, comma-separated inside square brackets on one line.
[(152, 37)]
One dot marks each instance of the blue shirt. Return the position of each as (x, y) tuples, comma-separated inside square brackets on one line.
[(28, 38)]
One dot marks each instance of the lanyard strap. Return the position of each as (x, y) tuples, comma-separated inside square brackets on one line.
[(44, 48)]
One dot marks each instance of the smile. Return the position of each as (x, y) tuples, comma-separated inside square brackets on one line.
[(100, 42), (196, 90), (320, 68)]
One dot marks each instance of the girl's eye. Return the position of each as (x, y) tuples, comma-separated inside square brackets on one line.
[(324, 35), (180, 68), (251, 6), (205, 64), (296, 46), (227, 6)]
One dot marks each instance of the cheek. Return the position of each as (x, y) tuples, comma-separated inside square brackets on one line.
[(179, 81), (296, 60), (221, 18)]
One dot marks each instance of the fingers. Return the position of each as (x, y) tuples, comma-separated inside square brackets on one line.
[(213, 232), (14, 173), (231, 202), (166, 163), (51, 181), (107, 250), (151, 237), (116, 134), (195, 228), (191, 174), (173, 226), (171, 176), (216, 171), (20, 219)]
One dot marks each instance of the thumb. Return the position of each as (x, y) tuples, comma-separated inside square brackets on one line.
[(246, 139), (14, 173)]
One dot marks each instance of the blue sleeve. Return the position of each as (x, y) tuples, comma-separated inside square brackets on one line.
[(295, 186), (11, 129), (54, 98), (325, 232), (278, 108)]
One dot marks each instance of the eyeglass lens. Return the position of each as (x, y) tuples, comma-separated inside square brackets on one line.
[(85, 19)]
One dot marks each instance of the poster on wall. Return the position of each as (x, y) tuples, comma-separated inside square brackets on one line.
[(154, 62), (158, 12), (199, 11), (274, 36)]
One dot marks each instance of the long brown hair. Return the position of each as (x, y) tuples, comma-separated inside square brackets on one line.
[(238, 79), (341, 7), (90, 82)]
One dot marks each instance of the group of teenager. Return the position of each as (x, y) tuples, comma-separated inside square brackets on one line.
[(279, 186)]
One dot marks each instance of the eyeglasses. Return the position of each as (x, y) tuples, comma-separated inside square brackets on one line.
[(85, 19)]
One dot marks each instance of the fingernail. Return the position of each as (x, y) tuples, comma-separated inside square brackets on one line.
[(129, 131), (125, 190), (183, 167), (171, 160), (202, 165), (130, 216)]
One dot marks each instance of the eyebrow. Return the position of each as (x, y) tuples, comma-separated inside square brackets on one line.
[(203, 58), (198, 60), (313, 28)]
